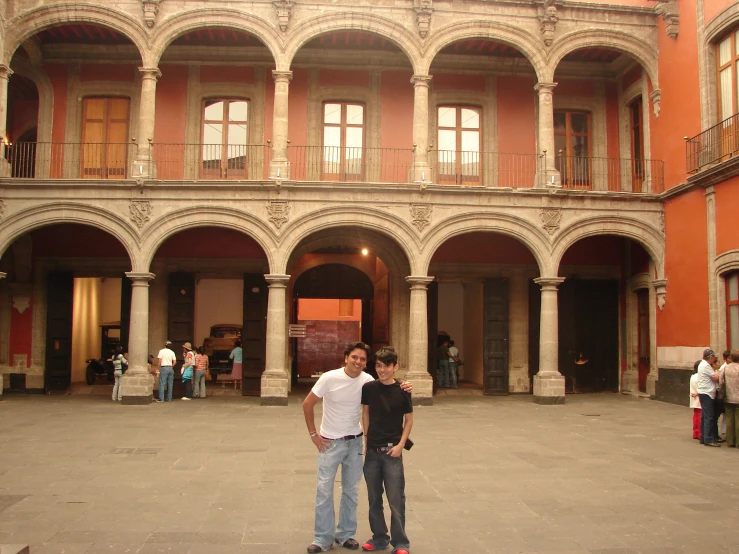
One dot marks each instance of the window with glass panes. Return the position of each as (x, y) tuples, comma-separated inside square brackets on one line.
[(225, 132), (727, 57), (343, 141), (572, 144), (732, 310), (458, 144)]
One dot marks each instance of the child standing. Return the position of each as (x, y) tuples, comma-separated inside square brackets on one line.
[(695, 402), (187, 369), (387, 418)]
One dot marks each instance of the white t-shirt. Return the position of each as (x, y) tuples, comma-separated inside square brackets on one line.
[(695, 402), (342, 402), (167, 356), (706, 385), (453, 351)]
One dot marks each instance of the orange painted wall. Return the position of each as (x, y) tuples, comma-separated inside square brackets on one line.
[(446, 81), (118, 73), (575, 88), (684, 320), (331, 77), (396, 109), (326, 309), (712, 8), (727, 208), (211, 242), (21, 332), (298, 108), (483, 248), (230, 74), (612, 131), (171, 103), (631, 77), (269, 106), (516, 115), (23, 117), (58, 76)]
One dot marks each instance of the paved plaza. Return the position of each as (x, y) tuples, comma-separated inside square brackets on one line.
[(604, 473)]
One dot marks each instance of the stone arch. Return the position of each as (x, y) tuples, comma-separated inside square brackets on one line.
[(303, 268), (643, 51), (381, 222), (516, 37), (515, 227), (238, 20), (25, 68), (30, 22), (393, 31), (650, 238), (44, 215), (206, 216)]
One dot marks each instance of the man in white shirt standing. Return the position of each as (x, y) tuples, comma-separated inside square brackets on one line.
[(166, 360), (339, 444), (707, 379)]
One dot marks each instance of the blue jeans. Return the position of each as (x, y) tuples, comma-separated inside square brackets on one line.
[(707, 419), (348, 454), (453, 373), (442, 379), (166, 378), (379, 469)]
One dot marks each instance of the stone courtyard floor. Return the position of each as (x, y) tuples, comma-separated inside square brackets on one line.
[(604, 473)]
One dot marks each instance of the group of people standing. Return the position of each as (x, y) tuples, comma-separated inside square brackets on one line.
[(715, 391), (448, 358)]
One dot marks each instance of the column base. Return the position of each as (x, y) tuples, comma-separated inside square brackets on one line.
[(423, 388), (652, 379), (137, 388), (274, 389), (630, 381), (551, 178), (549, 389)]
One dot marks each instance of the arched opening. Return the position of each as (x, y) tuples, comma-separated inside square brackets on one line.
[(480, 300), (67, 301), (22, 127), (210, 291), (607, 312)]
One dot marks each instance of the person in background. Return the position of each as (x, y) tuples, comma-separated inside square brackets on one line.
[(442, 353), (201, 368), (165, 367), (730, 377), (707, 380), (453, 361), (720, 416), (236, 355), (695, 402), (187, 369), (118, 361)]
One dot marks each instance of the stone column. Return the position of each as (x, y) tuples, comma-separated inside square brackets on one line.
[(547, 169), (418, 342), (549, 384), (138, 384), (279, 125), (518, 310), (5, 73), (2, 276), (143, 165), (421, 167), (276, 377)]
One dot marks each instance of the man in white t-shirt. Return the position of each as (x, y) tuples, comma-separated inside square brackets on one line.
[(339, 443), (707, 379), (166, 360)]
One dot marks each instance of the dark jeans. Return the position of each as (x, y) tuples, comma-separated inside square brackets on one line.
[(379, 469), (718, 409), (707, 421), (188, 388)]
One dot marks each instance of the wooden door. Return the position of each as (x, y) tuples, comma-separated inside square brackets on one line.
[(643, 334), (432, 325), (181, 311), (58, 365), (495, 337), (104, 152), (125, 311), (637, 146), (254, 333)]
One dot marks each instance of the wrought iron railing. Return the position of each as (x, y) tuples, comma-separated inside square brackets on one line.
[(714, 145), (350, 164), (210, 161), (611, 174), (56, 160), (488, 169)]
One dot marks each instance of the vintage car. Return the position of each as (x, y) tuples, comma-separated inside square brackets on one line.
[(218, 346)]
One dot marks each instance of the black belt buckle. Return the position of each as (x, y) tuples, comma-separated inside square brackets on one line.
[(350, 437), (384, 449)]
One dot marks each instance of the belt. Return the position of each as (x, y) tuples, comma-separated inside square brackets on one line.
[(345, 438)]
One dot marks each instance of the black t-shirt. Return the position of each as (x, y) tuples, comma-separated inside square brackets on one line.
[(387, 406)]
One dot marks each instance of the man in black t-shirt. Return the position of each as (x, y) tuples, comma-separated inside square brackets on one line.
[(387, 418)]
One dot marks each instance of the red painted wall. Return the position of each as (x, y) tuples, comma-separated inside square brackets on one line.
[(483, 248), (323, 347), (727, 214), (575, 88), (210, 242), (447, 81), (298, 108), (332, 77), (171, 103), (23, 117), (74, 240), (631, 77), (118, 73), (326, 309), (58, 76), (516, 115), (712, 8), (396, 101), (230, 74), (21, 333)]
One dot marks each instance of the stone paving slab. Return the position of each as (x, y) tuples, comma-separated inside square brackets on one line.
[(602, 474)]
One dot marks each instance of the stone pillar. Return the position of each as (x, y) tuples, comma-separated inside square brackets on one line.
[(276, 376), (2, 276), (137, 381), (279, 125), (547, 169), (418, 343), (5, 73), (518, 310), (549, 384), (143, 165), (421, 167)]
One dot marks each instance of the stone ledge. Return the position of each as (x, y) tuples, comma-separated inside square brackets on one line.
[(14, 549), (273, 400), (549, 400)]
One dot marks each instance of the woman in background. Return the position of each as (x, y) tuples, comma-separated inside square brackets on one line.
[(118, 361), (236, 356)]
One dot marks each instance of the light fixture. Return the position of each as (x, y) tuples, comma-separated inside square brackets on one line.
[(365, 251)]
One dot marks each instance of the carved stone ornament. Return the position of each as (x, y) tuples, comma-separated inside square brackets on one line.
[(140, 212), (548, 20), (660, 291), (662, 222), (550, 218), (284, 10), (2, 208), (656, 96), (423, 9), (151, 9), (669, 11), (279, 212), (421, 216)]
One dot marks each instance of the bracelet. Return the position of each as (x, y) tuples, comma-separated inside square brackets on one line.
[(313, 434)]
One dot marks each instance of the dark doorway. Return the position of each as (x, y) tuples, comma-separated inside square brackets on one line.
[(58, 366), (642, 301), (181, 311), (125, 311), (495, 337), (254, 333), (432, 322)]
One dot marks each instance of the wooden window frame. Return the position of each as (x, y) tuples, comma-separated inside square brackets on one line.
[(728, 136), (342, 174), (458, 177), (224, 170), (568, 158), (104, 151), (729, 303), (636, 120)]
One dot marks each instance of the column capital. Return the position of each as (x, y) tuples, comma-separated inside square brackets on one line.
[(150, 73), (549, 283), (421, 80), (544, 87), (5, 71), (276, 280), (418, 281), (282, 76), (142, 278)]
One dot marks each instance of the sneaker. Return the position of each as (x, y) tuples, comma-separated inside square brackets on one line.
[(314, 549), (351, 544), (713, 444), (186, 398), (369, 547), (400, 551), (158, 401)]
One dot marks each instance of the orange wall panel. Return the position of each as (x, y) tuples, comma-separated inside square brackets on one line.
[(612, 131), (684, 320), (58, 76), (727, 208), (446, 81), (516, 115), (21, 332), (269, 106), (326, 309), (171, 102), (396, 105), (712, 8), (481, 247), (575, 88), (23, 118), (107, 72), (332, 77), (226, 74), (631, 77), (298, 108)]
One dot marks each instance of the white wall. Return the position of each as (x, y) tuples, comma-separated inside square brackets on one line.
[(452, 314), (217, 301)]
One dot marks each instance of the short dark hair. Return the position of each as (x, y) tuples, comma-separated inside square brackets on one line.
[(726, 354), (387, 355), (357, 345), (201, 350), (451, 342), (118, 350), (735, 356), (696, 364)]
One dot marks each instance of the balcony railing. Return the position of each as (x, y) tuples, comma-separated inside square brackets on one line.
[(489, 169), (211, 161), (53, 160), (611, 174), (350, 164), (713, 145)]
